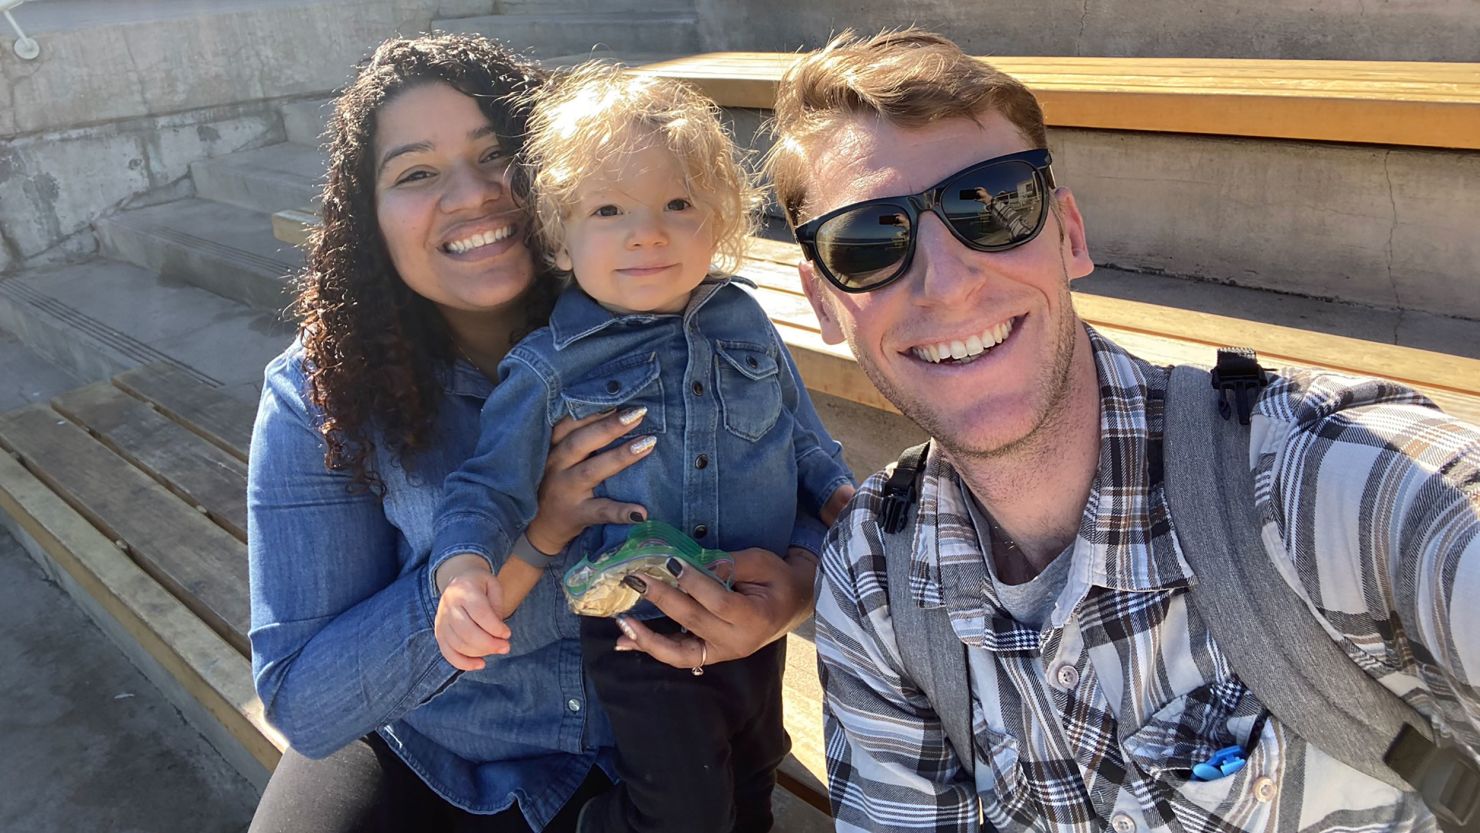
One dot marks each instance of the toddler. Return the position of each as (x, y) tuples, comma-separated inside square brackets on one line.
[(639, 194)]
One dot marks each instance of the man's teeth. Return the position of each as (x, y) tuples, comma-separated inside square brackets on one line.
[(971, 347), (467, 244)]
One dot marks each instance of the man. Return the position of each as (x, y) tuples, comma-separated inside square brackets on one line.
[(1095, 688)]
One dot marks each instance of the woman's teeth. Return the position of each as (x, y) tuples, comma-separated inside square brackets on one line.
[(968, 349), (467, 244)]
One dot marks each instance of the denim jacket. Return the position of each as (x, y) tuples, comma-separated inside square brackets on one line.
[(342, 611), (741, 458)]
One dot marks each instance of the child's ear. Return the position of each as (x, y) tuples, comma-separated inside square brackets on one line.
[(563, 261), (821, 298)]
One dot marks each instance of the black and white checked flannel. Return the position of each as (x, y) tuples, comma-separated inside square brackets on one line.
[(1371, 502)]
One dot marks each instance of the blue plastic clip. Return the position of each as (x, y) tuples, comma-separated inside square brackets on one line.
[(1225, 762)]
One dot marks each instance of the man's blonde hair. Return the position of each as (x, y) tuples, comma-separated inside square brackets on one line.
[(908, 78), (586, 118)]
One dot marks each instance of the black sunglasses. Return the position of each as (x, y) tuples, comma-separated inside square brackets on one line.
[(992, 206)]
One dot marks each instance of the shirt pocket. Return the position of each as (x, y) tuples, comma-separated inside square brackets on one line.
[(1188, 730), (1000, 783), (629, 381), (749, 387)]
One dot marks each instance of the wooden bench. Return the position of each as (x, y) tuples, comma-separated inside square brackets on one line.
[(132, 495), (1418, 104)]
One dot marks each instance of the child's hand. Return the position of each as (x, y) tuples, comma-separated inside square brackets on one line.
[(835, 504), (468, 626)]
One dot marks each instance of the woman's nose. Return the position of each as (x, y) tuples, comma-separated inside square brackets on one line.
[(471, 186)]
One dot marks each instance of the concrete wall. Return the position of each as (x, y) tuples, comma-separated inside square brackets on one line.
[(1370, 30), (125, 95)]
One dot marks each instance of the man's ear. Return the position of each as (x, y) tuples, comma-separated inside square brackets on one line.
[(1071, 226), (821, 299)]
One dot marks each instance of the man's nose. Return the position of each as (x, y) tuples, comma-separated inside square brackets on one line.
[(945, 274)]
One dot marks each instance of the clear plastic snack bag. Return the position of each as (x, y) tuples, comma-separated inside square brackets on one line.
[(594, 587)]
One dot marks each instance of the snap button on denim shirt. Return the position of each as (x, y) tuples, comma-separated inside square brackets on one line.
[(342, 611), (742, 459)]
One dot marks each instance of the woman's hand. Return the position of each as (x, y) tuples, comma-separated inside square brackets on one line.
[(567, 501), (771, 596)]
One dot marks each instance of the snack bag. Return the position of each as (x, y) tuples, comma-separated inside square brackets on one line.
[(594, 587)]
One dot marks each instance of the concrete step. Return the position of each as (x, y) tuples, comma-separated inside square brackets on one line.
[(227, 250), (92, 320), (568, 34), (531, 7), (304, 120), (268, 179), (28, 376)]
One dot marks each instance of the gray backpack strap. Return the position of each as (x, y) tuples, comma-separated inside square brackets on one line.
[(933, 656), (1265, 629)]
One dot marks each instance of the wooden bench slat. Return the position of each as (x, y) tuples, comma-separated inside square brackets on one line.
[(196, 470), (1391, 103), (197, 561), (217, 417)]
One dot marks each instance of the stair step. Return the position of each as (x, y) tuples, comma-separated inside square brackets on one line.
[(29, 376), (304, 120), (222, 248), (98, 318), (569, 34), (268, 179)]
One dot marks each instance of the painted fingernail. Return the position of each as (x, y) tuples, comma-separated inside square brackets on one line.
[(625, 626), (635, 517), (675, 567), (622, 648), (643, 445), (632, 415), (635, 583)]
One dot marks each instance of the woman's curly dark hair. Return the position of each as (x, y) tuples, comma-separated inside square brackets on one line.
[(377, 354)]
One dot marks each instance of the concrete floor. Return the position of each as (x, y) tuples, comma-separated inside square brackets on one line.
[(89, 743)]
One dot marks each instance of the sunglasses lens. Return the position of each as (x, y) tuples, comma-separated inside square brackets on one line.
[(864, 247), (995, 207)]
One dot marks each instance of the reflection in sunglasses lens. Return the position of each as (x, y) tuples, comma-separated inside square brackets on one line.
[(863, 247), (994, 207)]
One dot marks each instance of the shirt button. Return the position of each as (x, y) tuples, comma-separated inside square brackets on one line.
[(613, 386), (1123, 823), (1264, 789), (702, 461), (700, 531), (1066, 676), (573, 704), (698, 388)]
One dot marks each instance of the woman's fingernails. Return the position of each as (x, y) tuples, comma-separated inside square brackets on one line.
[(625, 626), (632, 415), (675, 567), (635, 517), (622, 648), (635, 583), (642, 446)]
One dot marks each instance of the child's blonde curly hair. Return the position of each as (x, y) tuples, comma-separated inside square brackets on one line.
[(588, 116)]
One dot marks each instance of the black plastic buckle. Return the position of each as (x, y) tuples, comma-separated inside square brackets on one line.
[(1446, 779), (1238, 372), (896, 507), (901, 487)]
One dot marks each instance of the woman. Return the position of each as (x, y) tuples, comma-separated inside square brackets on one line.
[(418, 283)]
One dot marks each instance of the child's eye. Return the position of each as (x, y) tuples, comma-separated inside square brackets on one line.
[(606, 211), (679, 204)]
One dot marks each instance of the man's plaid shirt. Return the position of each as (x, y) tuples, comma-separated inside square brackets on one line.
[(1371, 504)]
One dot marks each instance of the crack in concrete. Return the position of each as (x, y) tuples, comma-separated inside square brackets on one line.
[(1079, 38), (133, 63), (1393, 229)]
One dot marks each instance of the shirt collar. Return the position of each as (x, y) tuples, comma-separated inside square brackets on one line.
[(577, 315), (1124, 540)]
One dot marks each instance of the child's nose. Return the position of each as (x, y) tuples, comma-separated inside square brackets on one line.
[(646, 231)]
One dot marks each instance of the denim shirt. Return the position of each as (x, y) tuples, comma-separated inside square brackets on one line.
[(741, 458), (342, 611)]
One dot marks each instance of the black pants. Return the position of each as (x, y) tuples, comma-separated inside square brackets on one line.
[(694, 754), (365, 787)]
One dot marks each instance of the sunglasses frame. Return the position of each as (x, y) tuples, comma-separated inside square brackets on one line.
[(913, 205)]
